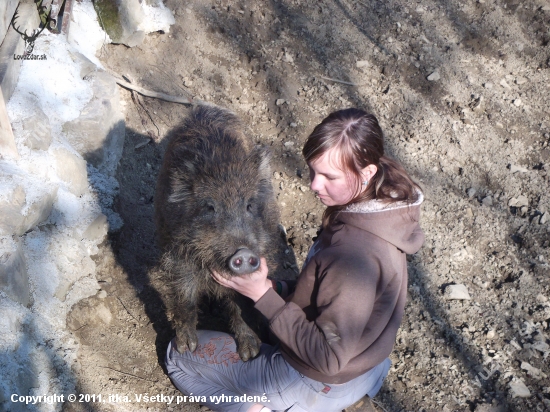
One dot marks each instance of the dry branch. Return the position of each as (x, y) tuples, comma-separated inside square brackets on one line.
[(338, 81), (157, 95)]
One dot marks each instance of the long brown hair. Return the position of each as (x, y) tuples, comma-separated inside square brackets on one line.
[(360, 142)]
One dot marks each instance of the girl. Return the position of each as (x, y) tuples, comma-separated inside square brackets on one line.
[(338, 327)]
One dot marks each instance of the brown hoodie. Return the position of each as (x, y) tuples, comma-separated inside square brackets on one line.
[(349, 300)]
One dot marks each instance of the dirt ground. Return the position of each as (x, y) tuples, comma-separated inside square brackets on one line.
[(461, 89)]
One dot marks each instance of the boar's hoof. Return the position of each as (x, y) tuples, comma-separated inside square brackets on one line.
[(248, 346), (244, 261), (186, 340)]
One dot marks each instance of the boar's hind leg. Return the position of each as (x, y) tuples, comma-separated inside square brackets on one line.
[(185, 319), (248, 344)]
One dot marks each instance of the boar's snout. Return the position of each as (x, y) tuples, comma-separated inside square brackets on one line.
[(243, 262)]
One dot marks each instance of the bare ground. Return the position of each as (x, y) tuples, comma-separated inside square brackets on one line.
[(476, 139)]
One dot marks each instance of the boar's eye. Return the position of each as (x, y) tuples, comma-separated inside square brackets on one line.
[(250, 206), (209, 207)]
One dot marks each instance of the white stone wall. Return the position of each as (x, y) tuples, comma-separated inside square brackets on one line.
[(7, 8), (55, 200), (69, 131)]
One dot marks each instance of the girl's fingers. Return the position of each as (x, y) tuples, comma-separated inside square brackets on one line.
[(220, 279)]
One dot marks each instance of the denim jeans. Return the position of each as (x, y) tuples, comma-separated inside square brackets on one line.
[(215, 373)]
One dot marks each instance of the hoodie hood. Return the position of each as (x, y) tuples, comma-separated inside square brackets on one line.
[(396, 223)]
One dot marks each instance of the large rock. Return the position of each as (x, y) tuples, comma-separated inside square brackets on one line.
[(73, 267), (36, 131), (91, 311), (128, 21), (7, 8), (98, 133), (14, 279), (519, 390), (7, 139), (12, 43), (19, 213), (519, 201), (72, 170)]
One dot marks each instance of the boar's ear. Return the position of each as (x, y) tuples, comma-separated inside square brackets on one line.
[(262, 157), (180, 182), (179, 190)]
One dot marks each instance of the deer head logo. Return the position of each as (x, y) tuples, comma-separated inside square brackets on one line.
[(29, 39)]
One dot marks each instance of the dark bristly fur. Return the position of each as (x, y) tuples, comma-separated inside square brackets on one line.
[(213, 197)]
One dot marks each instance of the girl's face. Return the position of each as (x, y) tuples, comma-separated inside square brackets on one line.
[(329, 181)]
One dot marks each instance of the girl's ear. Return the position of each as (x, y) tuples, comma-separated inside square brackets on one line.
[(368, 172)]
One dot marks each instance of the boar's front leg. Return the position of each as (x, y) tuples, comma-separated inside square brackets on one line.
[(184, 311), (248, 343), (185, 319)]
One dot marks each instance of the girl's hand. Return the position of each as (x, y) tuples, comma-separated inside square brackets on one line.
[(253, 285)]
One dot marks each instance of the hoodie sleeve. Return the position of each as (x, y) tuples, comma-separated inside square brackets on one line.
[(345, 294)]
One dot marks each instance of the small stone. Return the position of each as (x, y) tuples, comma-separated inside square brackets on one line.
[(420, 9), (545, 8), (469, 213), (519, 390), (504, 84), (487, 201), (362, 63), (434, 76), (517, 102), (144, 142), (287, 58), (488, 85), (279, 102), (521, 80), (491, 334), (102, 294), (516, 169), (532, 371), (523, 210), (289, 144), (458, 292), (519, 202), (499, 125), (541, 346), (544, 218), (485, 407), (293, 125), (471, 192)]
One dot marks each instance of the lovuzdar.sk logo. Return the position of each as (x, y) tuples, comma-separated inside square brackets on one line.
[(29, 40)]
